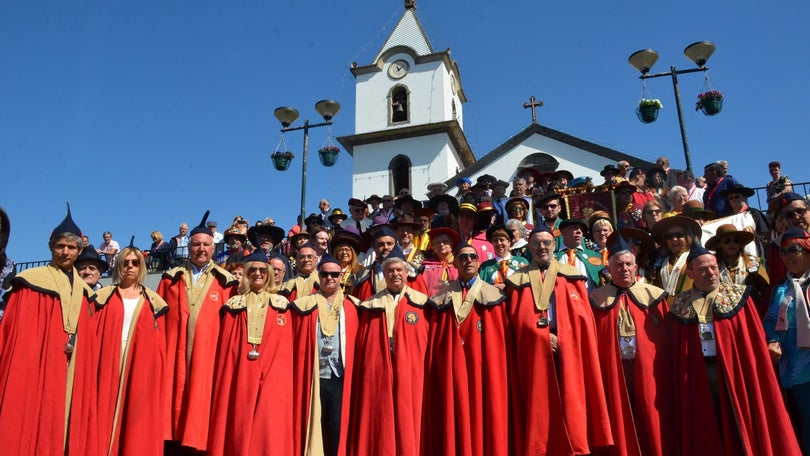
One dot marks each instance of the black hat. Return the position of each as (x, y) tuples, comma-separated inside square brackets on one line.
[(500, 227), (608, 169), (354, 202), (384, 231), (486, 180), (697, 250), (396, 253), (373, 198), (348, 237), (236, 234), (407, 198), (574, 222), (328, 259), (618, 245), (313, 218), (201, 228), (67, 226), (794, 233), (738, 188), (656, 170), (546, 198), (337, 213), (452, 203), (276, 234), (541, 228), (89, 255), (258, 255)]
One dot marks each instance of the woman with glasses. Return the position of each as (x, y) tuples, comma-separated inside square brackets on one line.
[(518, 208), (675, 235), (737, 196), (678, 196), (252, 408), (737, 266), (652, 213), (787, 328), (346, 247), (132, 355)]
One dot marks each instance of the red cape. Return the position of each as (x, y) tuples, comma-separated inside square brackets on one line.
[(139, 423), (189, 380), (752, 412), (386, 409), (466, 404), (34, 376), (642, 427), (252, 408), (305, 340), (544, 389)]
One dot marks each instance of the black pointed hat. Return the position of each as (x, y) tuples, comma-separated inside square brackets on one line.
[(67, 226), (201, 228), (697, 250), (132, 242), (618, 245)]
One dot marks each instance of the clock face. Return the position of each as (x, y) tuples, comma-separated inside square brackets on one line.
[(398, 69)]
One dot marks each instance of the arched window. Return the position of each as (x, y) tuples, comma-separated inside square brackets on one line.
[(399, 104), (399, 171), (541, 162)]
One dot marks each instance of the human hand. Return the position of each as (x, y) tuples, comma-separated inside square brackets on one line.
[(554, 342), (775, 350)]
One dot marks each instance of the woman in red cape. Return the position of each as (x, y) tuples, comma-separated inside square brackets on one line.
[(132, 351), (252, 404)]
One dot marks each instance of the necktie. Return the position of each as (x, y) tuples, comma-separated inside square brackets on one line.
[(359, 226), (501, 278), (463, 292), (572, 259)]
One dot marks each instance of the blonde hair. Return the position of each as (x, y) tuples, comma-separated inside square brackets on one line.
[(244, 285), (118, 269), (156, 236)]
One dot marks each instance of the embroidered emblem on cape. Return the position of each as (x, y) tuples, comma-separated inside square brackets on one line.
[(411, 318), (574, 296), (281, 320), (215, 296), (479, 325), (595, 261)]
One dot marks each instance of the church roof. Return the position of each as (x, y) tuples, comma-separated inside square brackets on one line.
[(408, 32), (611, 155)]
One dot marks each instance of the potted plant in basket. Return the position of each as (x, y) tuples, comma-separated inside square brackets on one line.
[(710, 102), (328, 155), (647, 110), (282, 159)]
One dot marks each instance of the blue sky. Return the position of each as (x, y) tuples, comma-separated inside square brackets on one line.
[(145, 114)]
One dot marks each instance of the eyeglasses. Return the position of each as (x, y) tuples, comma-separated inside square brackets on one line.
[(133, 263), (794, 249), (544, 243), (332, 274), (260, 270), (517, 209), (795, 212), (652, 211), (731, 240), (549, 206), (467, 257), (677, 235)]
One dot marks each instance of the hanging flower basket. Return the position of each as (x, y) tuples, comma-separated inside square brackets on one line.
[(328, 155), (710, 102), (647, 110), (281, 160)]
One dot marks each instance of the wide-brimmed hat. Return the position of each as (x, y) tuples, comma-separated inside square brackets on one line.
[(663, 225), (437, 186), (405, 199), (451, 233), (656, 170), (500, 183), (313, 218), (348, 237), (354, 202), (624, 185), (533, 171), (232, 233), (89, 255), (738, 188), (608, 169), (694, 209), (574, 222), (405, 220), (337, 213), (300, 234), (500, 227), (452, 203), (486, 179), (547, 175), (372, 198), (564, 173), (276, 234), (728, 229), (543, 199), (424, 212), (517, 200)]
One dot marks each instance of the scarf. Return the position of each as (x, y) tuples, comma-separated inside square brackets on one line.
[(670, 278), (797, 294)]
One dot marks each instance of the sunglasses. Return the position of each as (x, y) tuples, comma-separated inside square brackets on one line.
[(677, 235), (731, 240), (652, 211), (794, 249), (545, 243), (133, 263), (467, 257), (549, 206), (260, 270), (332, 274), (796, 212)]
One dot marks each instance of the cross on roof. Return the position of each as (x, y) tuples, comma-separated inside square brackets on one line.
[(533, 104)]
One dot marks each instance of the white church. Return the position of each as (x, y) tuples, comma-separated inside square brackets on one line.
[(409, 125)]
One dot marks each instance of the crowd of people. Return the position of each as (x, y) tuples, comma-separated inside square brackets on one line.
[(486, 322)]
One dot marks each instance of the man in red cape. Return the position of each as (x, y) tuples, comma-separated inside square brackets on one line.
[(305, 281), (369, 281), (131, 403), (47, 349), (632, 341), (558, 399), (324, 330), (387, 386), (195, 292), (252, 408), (466, 405), (728, 402)]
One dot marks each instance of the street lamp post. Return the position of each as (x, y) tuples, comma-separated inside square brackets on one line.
[(286, 115), (697, 52)]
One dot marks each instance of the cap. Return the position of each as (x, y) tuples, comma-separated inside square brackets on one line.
[(786, 198), (462, 180), (696, 251), (618, 245), (384, 231), (541, 228), (258, 255), (794, 233), (91, 256), (328, 259), (467, 207), (67, 226), (201, 228)]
